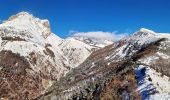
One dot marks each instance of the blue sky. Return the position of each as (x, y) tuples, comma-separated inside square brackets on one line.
[(123, 16)]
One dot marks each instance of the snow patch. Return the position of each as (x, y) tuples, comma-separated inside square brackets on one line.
[(151, 85)]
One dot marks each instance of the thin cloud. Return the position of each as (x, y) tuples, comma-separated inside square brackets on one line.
[(113, 36)]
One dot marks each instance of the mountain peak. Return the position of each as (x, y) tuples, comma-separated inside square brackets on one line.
[(25, 21), (20, 15), (144, 30), (23, 13)]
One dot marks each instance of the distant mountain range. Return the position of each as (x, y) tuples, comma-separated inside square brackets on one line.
[(37, 64)]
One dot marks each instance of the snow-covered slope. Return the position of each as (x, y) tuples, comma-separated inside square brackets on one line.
[(94, 42), (152, 85), (75, 51), (128, 46)]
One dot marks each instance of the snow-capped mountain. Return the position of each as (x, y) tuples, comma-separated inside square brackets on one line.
[(120, 71), (29, 59), (32, 57)]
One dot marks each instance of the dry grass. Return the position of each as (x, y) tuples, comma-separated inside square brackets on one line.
[(114, 88)]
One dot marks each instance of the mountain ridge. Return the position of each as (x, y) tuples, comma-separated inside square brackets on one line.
[(107, 66)]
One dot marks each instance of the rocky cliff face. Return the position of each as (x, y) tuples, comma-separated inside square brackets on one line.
[(110, 73)]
